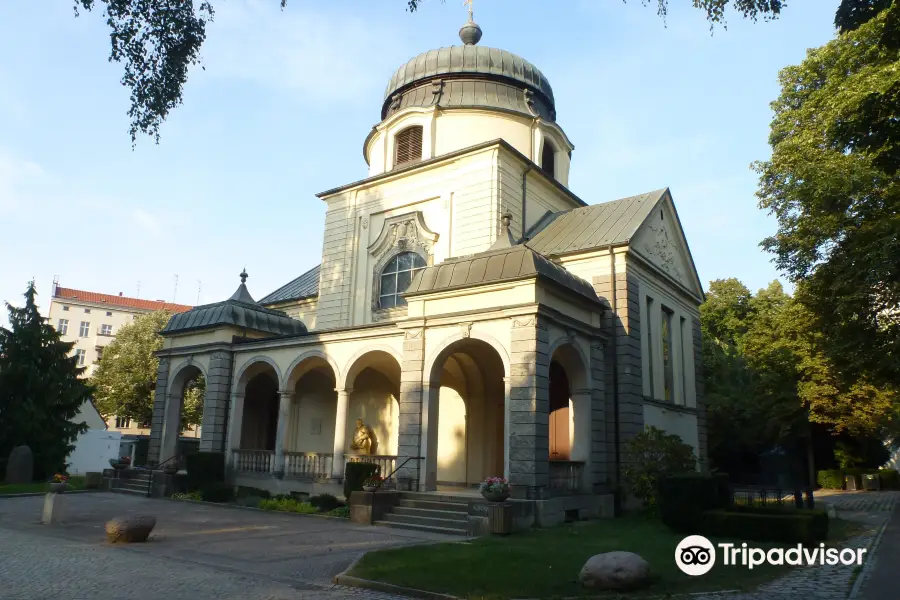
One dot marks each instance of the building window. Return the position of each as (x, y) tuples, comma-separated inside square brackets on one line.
[(106, 329), (396, 277), (99, 350), (548, 159), (66, 308), (649, 318), (63, 327), (108, 314), (85, 329), (408, 146), (667, 356), (87, 311), (684, 391), (123, 422), (79, 356)]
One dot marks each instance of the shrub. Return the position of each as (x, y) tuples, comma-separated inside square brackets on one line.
[(205, 469), (832, 479), (341, 511), (890, 479), (767, 524), (355, 474), (217, 492), (650, 455), (325, 502), (187, 496), (249, 492), (286, 504), (683, 498)]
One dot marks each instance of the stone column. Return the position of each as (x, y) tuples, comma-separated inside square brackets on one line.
[(430, 427), (159, 410), (340, 433), (411, 397), (581, 447), (599, 475), (235, 420), (529, 398), (215, 402), (284, 415)]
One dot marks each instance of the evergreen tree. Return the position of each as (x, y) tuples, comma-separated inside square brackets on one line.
[(40, 392)]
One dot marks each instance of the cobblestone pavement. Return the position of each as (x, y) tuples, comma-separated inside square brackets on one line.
[(872, 509), (196, 552)]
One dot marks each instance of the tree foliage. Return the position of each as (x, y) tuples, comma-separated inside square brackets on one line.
[(832, 183), (40, 389), (125, 379), (766, 376)]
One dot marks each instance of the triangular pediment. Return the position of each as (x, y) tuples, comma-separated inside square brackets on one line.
[(660, 241)]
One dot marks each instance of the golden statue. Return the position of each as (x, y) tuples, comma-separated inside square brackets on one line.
[(363, 438)]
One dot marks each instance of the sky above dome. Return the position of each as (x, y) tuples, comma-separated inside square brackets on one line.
[(287, 98)]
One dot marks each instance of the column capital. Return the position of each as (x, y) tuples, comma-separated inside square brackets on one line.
[(344, 390), (286, 393), (582, 392)]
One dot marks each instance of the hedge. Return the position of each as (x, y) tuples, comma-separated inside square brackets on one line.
[(683, 498), (355, 473), (205, 469), (217, 492), (325, 502), (833, 479), (766, 524)]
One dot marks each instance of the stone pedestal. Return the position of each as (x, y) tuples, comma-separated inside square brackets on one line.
[(500, 517), (368, 507), (54, 509)]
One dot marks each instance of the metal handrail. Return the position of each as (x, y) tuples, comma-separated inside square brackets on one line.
[(150, 479), (380, 483)]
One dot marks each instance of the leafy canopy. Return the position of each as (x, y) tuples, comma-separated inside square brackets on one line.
[(40, 389), (125, 378), (650, 455), (832, 184)]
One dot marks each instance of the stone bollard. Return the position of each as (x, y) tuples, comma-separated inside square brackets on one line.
[(54, 509)]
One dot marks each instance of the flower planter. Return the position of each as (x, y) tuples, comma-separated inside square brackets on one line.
[(492, 496), (368, 488), (57, 487), (120, 466)]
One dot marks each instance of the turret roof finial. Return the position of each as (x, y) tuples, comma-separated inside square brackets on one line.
[(244, 275), (470, 33)]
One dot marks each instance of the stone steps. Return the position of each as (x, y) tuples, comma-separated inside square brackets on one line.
[(429, 512)]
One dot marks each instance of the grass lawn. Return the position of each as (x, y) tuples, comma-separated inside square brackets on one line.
[(75, 483), (544, 563)]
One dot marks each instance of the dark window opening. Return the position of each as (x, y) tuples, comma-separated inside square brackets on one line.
[(409, 145), (548, 159), (396, 277)]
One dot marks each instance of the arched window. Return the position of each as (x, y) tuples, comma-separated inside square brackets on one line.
[(408, 146), (548, 159), (396, 277)]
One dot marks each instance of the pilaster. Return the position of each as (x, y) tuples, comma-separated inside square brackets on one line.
[(411, 399), (216, 402), (159, 410)]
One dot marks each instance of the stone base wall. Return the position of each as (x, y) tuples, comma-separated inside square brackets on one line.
[(285, 486)]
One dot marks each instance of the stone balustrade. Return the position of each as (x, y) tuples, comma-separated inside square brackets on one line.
[(308, 465), (254, 461)]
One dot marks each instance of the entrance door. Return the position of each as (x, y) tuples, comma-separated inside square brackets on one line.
[(560, 419)]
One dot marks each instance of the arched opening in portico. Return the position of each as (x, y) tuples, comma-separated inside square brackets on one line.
[(469, 443), (569, 421), (372, 413), (188, 380), (256, 419), (309, 437)]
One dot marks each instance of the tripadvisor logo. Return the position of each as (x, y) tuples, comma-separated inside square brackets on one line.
[(696, 555)]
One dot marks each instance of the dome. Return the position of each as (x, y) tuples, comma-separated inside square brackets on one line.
[(470, 76)]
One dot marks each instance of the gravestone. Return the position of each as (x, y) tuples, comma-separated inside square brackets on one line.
[(20, 466)]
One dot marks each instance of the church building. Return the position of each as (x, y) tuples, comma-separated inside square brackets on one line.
[(471, 316)]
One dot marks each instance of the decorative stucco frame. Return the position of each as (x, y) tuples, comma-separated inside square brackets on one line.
[(401, 233)]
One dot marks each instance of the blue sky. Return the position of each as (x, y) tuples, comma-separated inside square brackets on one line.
[(287, 97)]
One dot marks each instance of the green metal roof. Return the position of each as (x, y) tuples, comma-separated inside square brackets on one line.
[(241, 310), (594, 226), (494, 266), (305, 286)]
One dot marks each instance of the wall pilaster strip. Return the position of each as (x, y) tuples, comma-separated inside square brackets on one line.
[(159, 410)]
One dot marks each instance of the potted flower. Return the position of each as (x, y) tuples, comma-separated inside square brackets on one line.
[(494, 489), (59, 483), (371, 482), (123, 462)]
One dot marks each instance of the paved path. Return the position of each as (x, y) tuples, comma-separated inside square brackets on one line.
[(880, 582), (197, 552), (830, 582)]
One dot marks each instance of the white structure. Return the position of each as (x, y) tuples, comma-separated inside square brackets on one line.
[(96, 446), (471, 315)]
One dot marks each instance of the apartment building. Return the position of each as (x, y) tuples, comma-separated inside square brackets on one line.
[(91, 320)]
